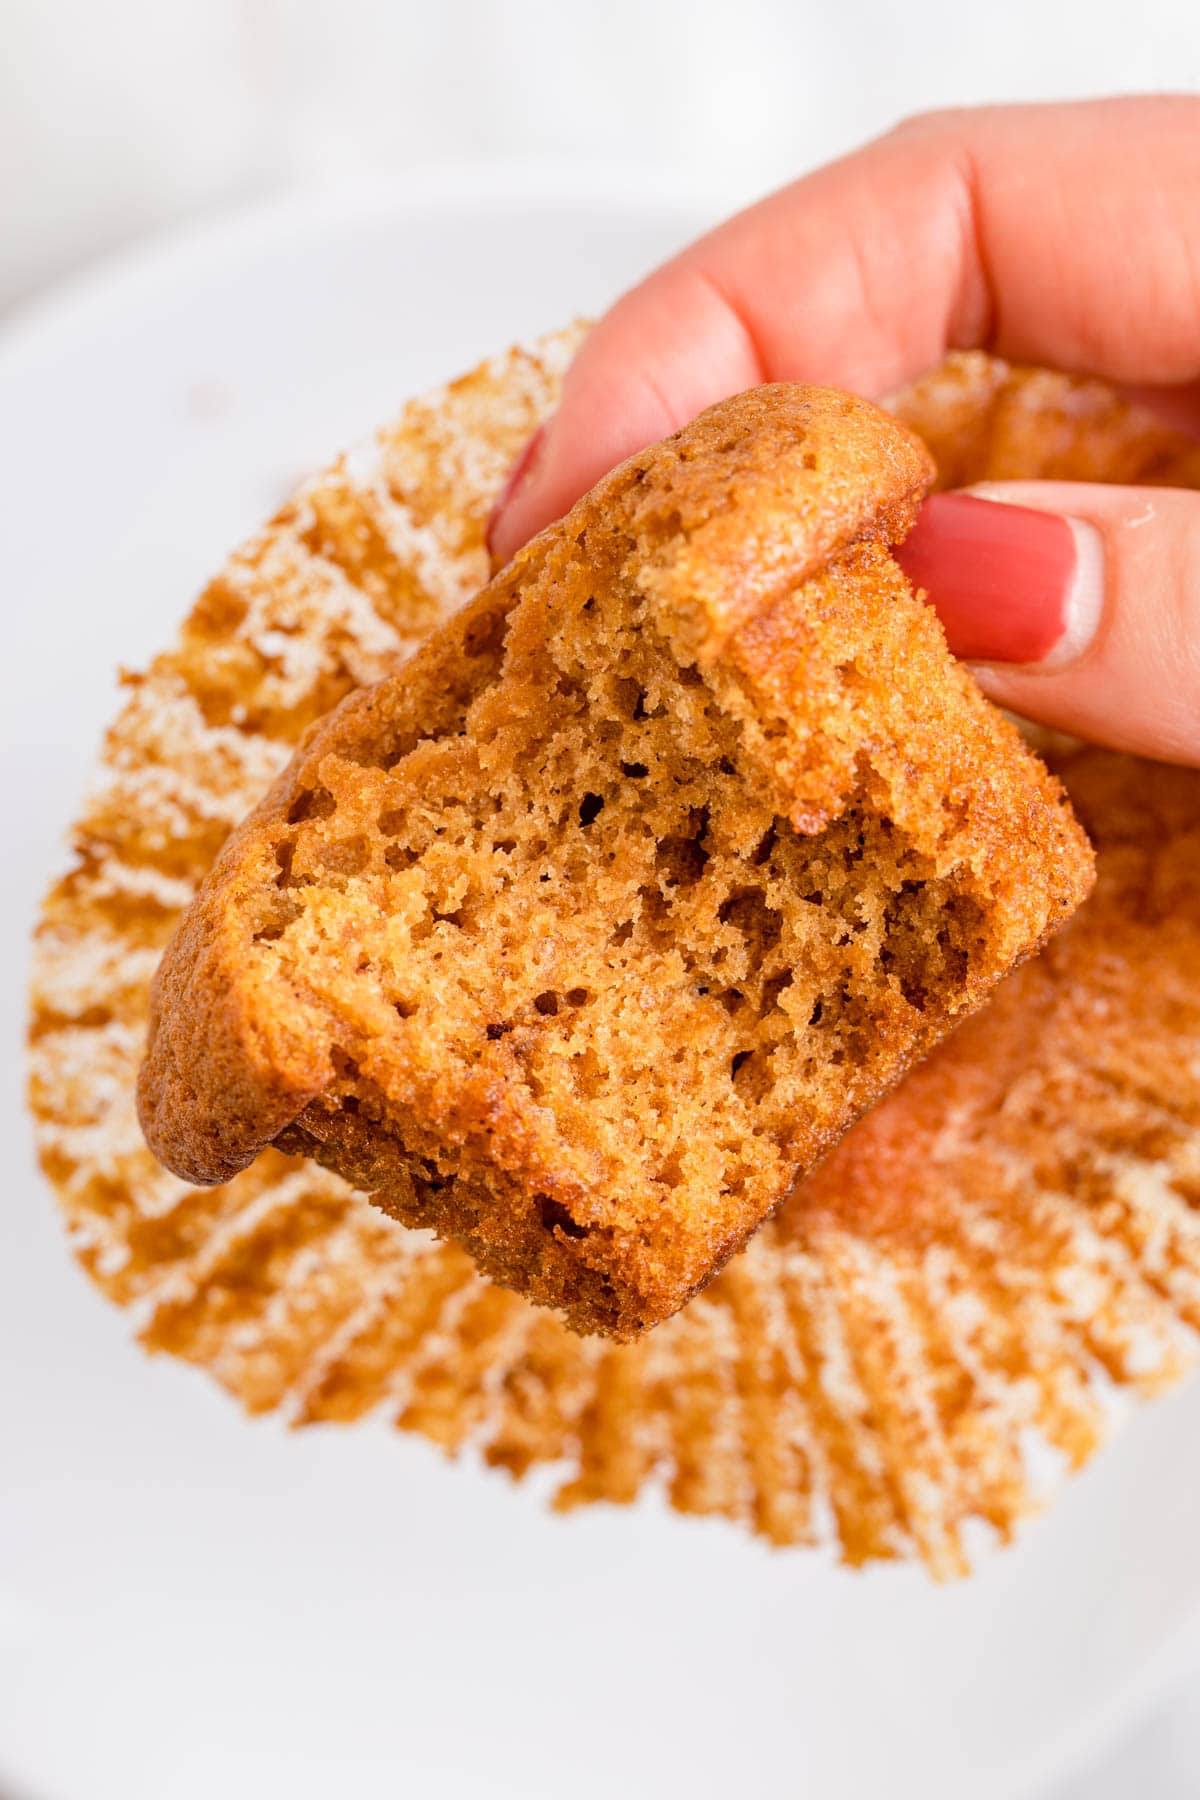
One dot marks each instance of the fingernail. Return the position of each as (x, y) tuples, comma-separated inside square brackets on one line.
[(1010, 584), (512, 481)]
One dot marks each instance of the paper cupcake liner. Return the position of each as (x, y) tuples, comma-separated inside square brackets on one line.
[(937, 1323)]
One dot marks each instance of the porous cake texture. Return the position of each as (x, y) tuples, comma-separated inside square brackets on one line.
[(584, 934), (1002, 1252)]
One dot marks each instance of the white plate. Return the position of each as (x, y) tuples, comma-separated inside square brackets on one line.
[(194, 1605)]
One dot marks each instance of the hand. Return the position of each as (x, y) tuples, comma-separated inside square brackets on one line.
[(1063, 235)]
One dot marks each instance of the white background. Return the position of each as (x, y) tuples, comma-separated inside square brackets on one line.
[(121, 117)]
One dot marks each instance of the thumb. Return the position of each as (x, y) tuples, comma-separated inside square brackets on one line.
[(1079, 604)]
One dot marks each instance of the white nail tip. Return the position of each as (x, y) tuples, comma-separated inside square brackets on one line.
[(1085, 603)]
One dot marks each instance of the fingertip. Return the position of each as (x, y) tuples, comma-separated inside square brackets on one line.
[(666, 350), (502, 533), (1115, 586), (1010, 584), (595, 428)]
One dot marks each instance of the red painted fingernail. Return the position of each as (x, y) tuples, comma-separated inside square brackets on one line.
[(512, 481), (1010, 584)]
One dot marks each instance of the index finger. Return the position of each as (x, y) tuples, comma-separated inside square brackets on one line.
[(1060, 234)]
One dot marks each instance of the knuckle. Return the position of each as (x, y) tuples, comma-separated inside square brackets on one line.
[(944, 121)]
